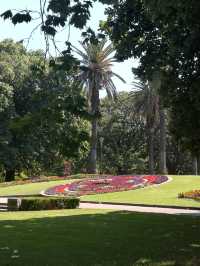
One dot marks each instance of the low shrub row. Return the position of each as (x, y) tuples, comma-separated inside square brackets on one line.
[(39, 203), (193, 194)]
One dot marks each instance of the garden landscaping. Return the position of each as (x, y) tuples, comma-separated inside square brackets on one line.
[(29, 188), (105, 184), (91, 237), (164, 194)]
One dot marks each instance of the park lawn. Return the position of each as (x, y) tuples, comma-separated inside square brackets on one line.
[(98, 237), (31, 188), (164, 194)]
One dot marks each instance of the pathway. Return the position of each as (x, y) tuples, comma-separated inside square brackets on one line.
[(138, 208)]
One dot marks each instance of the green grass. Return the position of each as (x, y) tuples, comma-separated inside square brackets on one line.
[(98, 237), (30, 189), (165, 194)]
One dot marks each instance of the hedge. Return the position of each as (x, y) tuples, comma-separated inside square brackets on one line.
[(37, 204), (28, 204), (13, 204)]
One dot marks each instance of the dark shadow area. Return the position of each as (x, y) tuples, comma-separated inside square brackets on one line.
[(113, 238)]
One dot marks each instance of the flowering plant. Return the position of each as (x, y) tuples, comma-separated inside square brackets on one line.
[(106, 184), (194, 194)]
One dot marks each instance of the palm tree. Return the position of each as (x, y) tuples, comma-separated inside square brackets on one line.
[(148, 104), (96, 74), (155, 85)]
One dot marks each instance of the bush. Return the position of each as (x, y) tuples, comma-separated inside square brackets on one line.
[(37, 204)]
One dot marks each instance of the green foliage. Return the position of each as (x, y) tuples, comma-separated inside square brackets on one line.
[(38, 204), (42, 112), (185, 111), (165, 37), (13, 204), (95, 73), (59, 12), (122, 132)]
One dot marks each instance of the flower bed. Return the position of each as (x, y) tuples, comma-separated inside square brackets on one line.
[(105, 184), (194, 194)]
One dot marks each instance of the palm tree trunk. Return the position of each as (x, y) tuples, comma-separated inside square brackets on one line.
[(92, 168), (151, 151), (195, 165), (92, 164), (163, 166)]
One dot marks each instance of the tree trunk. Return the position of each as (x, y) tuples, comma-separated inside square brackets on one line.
[(92, 164), (10, 175), (195, 165), (92, 168), (151, 151), (163, 166), (154, 85)]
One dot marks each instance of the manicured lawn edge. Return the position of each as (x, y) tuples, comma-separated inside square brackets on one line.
[(141, 205)]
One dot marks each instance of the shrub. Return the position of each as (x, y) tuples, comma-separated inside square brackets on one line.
[(33, 204)]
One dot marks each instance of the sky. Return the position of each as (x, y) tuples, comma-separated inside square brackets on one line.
[(22, 31)]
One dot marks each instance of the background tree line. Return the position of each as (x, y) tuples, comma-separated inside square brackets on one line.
[(164, 36), (42, 113)]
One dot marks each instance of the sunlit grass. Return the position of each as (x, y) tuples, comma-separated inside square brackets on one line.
[(164, 194), (31, 188)]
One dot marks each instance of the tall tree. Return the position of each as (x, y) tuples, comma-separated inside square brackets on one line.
[(147, 104), (155, 85), (123, 137), (96, 74), (40, 112), (165, 37)]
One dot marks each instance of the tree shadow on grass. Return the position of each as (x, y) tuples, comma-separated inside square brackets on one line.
[(107, 239)]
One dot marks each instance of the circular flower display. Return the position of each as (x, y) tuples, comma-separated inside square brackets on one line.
[(105, 185)]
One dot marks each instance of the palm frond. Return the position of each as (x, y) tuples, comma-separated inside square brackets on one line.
[(96, 64)]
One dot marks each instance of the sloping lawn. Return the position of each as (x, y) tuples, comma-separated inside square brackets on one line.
[(98, 237), (164, 194), (30, 189)]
